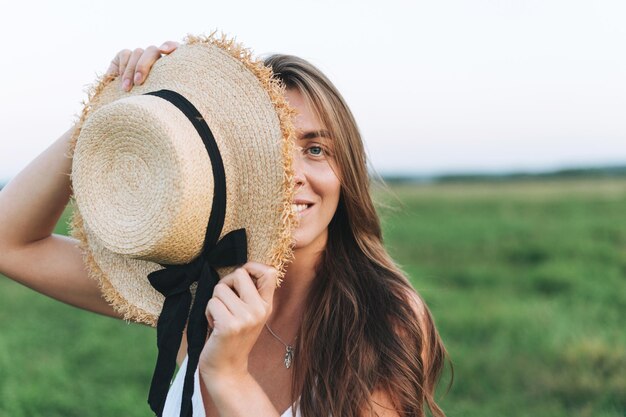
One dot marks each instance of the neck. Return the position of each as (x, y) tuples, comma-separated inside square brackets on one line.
[(290, 298)]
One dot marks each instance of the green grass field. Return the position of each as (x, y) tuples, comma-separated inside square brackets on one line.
[(526, 281)]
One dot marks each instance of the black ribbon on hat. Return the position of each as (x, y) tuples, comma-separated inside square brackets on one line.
[(174, 281)]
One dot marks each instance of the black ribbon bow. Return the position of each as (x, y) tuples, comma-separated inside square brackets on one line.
[(174, 281)]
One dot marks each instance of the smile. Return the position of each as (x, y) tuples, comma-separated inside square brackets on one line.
[(298, 208)]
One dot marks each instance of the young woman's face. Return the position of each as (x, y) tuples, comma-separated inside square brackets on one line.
[(317, 184)]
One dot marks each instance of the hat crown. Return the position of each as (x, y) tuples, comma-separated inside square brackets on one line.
[(153, 179)]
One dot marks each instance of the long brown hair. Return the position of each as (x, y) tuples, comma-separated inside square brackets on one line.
[(364, 327)]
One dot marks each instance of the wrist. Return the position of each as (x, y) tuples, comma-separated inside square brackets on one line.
[(223, 383)]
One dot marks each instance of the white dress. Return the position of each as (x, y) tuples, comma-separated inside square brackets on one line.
[(175, 396)]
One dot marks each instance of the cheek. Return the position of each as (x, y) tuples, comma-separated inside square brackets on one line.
[(327, 185)]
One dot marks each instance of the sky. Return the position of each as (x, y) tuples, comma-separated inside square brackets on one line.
[(436, 86)]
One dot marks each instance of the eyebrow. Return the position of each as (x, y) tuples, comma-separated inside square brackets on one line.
[(315, 134)]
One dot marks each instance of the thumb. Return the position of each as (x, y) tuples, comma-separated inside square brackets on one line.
[(265, 279)]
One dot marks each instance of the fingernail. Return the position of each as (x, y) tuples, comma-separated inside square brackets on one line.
[(165, 46), (137, 78), (126, 85)]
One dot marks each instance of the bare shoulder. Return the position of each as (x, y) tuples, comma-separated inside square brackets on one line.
[(417, 303), (419, 308), (383, 405), (422, 316)]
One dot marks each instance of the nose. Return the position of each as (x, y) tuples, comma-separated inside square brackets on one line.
[(298, 168)]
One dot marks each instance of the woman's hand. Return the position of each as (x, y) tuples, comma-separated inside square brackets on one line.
[(237, 312), (134, 66)]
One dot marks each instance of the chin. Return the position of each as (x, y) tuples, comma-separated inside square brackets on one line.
[(303, 240), (300, 242)]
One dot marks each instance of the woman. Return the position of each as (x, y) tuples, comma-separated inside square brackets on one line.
[(361, 340)]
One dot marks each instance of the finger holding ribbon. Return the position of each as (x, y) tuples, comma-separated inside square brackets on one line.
[(237, 312)]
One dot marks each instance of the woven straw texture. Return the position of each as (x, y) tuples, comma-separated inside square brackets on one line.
[(142, 180)]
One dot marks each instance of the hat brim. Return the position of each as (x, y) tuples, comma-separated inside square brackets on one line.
[(263, 202)]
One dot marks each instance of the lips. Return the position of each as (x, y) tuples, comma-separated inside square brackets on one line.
[(300, 207)]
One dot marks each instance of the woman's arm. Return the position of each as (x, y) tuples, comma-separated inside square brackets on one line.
[(30, 207), (237, 312), (32, 203)]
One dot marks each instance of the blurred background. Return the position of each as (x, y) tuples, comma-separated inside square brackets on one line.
[(499, 126)]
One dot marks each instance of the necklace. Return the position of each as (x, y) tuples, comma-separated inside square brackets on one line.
[(289, 349)]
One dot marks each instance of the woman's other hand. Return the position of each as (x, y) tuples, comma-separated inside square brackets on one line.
[(134, 66), (240, 306)]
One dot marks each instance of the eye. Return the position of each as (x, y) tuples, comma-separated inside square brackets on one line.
[(316, 150)]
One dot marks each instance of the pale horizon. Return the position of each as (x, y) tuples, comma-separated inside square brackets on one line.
[(436, 87)]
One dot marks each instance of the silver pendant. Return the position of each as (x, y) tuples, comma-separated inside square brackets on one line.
[(288, 357)]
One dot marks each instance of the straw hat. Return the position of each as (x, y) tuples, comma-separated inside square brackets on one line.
[(146, 181), (142, 182)]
